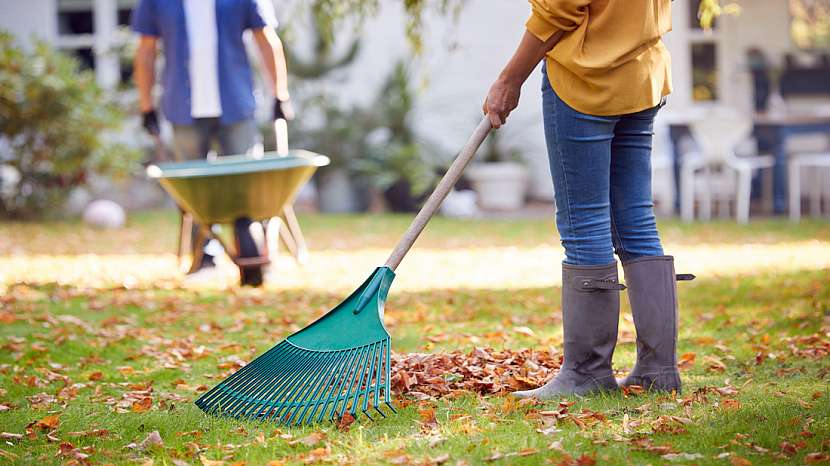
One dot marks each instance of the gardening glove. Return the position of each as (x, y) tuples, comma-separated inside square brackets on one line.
[(150, 122), (283, 110)]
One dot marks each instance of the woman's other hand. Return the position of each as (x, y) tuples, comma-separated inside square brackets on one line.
[(502, 99)]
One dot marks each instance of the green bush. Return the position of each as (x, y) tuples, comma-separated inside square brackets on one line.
[(55, 121)]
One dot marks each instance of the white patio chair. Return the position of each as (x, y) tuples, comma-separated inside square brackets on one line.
[(717, 172), (818, 165), (662, 173)]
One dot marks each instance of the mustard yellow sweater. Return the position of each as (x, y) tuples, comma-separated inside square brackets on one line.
[(611, 59)]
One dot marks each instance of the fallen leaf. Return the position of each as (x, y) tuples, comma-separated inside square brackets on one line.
[(48, 422), (95, 376), (208, 462), (141, 405), (739, 461), (682, 456), (730, 404), (152, 440), (10, 436), (816, 458), (440, 459), (346, 422), (310, 440)]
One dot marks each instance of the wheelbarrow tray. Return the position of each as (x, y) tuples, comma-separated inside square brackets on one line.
[(224, 189)]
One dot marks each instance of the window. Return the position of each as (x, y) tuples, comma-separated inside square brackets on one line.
[(694, 20), (810, 23), (704, 72)]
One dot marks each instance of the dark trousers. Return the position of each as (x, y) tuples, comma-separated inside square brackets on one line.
[(195, 141)]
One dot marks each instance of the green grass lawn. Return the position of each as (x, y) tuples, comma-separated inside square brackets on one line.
[(89, 373)]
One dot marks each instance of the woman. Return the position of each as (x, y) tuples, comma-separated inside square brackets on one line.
[(605, 76)]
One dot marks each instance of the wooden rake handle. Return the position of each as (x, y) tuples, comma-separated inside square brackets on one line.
[(437, 197)]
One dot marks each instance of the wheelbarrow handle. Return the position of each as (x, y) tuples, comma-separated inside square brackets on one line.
[(437, 197)]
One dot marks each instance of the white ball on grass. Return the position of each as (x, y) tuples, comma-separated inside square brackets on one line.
[(104, 213)]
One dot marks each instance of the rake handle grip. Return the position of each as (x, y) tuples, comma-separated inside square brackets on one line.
[(437, 197)]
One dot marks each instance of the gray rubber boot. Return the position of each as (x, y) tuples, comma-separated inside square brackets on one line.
[(652, 292), (590, 317)]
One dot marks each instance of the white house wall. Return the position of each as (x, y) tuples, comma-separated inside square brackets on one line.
[(29, 18)]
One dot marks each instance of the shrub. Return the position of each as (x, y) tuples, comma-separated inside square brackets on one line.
[(56, 124)]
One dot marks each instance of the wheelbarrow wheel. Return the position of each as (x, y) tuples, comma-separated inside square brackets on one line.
[(247, 246)]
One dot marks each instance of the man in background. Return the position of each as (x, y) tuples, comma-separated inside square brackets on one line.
[(207, 79)]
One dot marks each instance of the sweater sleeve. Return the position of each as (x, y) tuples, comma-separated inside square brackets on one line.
[(550, 16)]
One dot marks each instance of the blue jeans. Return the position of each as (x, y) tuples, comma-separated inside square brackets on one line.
[(601, 168)]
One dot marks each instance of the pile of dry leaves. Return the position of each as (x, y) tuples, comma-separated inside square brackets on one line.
[(482, 370)]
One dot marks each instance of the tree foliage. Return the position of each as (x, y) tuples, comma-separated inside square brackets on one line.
[(54, 123)]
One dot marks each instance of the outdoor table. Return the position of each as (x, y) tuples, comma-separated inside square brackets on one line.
[(772, 132)]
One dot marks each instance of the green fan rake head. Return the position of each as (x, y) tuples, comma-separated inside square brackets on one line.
[(341, 362), (338, 364)]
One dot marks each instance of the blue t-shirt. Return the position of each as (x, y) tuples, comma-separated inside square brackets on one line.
[(165, 19)]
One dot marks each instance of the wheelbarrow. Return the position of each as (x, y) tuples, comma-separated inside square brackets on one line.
[(254, 188)]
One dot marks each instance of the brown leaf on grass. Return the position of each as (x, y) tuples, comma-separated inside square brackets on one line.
[(142, 405), (817, 458), (152, 440), (209, 462), (715, 364), (647, 444), (41, 400), (730, 404), (397, 456), (428, 420), (739, 461), (75, 455), (584, 460), (48, 423), (788, 449), (90, 433), (10, 436), (346, 422), (817, 395), (632, 390), (482, 370), (309, 440), (275, 463), (95, 376), (686, 361), (669, 425)]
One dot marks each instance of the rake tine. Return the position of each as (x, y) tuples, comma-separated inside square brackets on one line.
[(378, 375), (313, 387), (289, 405), (208, 398), (388, 381), (363, 388), (344, 381), (341, 376), (271, 396), (271, 378), (369, 374), (358, 363), (248, 394), (280, 392), (324, 384), (229, 391), (245, 393), (330, 381), (294, 388), (358, 380)]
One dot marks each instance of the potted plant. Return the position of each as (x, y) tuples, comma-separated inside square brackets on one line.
[(500, 179), (398, 164)]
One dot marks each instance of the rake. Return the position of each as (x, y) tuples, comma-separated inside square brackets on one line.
[(340, 363)]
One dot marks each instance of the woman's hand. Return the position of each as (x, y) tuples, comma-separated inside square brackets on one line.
[(502, 99)]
